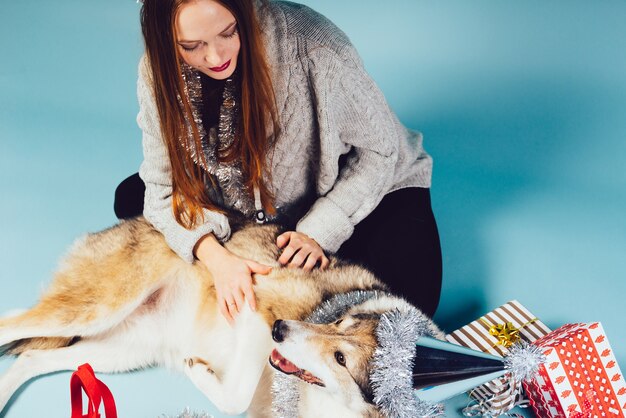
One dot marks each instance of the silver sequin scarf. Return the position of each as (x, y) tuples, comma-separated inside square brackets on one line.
[(228, 175)]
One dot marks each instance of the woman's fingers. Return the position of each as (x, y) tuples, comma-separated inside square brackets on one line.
[(240, 289), (232, 305), (311, 261), (325, 262), (288, 252), (315, 258), (293, 242), (232, 309), (258, 267), (225, 310), (298, 259), (250, 297), (283, 239), (300, 251), (233, 280), (238, 302)]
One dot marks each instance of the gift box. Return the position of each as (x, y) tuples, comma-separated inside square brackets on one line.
[(494, 333), (580, 378)]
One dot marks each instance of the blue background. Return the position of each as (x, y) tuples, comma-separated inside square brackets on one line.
[(522, 104)]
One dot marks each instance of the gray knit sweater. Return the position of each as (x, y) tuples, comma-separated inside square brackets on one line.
[(329, 107)]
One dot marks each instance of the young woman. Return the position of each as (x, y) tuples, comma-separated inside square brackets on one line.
[(264, 110)]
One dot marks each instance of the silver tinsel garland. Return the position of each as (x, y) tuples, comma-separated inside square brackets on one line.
[(523, 360), (338, 305), (392, 370), (187, 413)]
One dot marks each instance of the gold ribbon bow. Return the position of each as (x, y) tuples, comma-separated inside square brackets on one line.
[(506, 334)]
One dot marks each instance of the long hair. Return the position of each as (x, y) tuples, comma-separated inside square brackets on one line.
[(257, 115)]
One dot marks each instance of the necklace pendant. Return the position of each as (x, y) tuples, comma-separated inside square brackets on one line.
[(260, 217)]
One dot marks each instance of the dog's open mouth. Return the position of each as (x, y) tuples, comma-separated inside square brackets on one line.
[(280, 363)]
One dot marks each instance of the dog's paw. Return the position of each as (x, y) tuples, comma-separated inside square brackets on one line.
[(192, 362)]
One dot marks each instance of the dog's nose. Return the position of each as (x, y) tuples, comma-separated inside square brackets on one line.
[(279, 330)]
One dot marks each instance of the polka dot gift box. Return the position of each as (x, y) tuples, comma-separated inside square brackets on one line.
[(580, 378)]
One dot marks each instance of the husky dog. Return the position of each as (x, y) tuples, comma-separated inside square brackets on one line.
[(123, 300)]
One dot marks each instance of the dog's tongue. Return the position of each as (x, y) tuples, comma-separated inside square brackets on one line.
[(284, 364)]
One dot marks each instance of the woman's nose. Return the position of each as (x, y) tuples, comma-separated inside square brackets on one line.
[(212, 56)]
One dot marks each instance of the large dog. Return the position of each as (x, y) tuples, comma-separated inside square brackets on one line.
[(122, 300)]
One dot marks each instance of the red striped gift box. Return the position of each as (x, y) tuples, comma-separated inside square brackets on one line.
[(581, 377), (483, 335)]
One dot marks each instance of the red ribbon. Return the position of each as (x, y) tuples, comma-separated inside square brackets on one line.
[(97, 392)]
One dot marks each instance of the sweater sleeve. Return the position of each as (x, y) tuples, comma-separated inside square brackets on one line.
[(156, 173), (354, 119)]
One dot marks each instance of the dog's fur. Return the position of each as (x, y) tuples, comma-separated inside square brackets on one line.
[(122, 300)]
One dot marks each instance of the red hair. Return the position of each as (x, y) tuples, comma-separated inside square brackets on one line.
[(257, 108)]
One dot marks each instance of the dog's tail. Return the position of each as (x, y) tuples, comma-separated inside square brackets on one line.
[(40, 343)]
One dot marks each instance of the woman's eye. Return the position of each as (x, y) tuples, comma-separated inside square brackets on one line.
[(230, 34), (340, 358), (189, 48)]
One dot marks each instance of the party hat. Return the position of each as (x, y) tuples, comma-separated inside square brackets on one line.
[(442, 370), (413, 372), (434, 366)]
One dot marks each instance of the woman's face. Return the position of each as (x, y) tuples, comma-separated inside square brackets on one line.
[(208, 37)]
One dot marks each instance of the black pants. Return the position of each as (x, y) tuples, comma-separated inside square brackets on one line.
[(398, 241)]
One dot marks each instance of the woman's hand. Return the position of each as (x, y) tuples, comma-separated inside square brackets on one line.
[(232, 276), (300, 251)]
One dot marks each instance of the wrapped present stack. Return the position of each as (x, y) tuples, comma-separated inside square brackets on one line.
[(580, 378), (495, 333)]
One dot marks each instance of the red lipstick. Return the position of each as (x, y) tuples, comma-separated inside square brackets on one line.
[(221, 68)]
